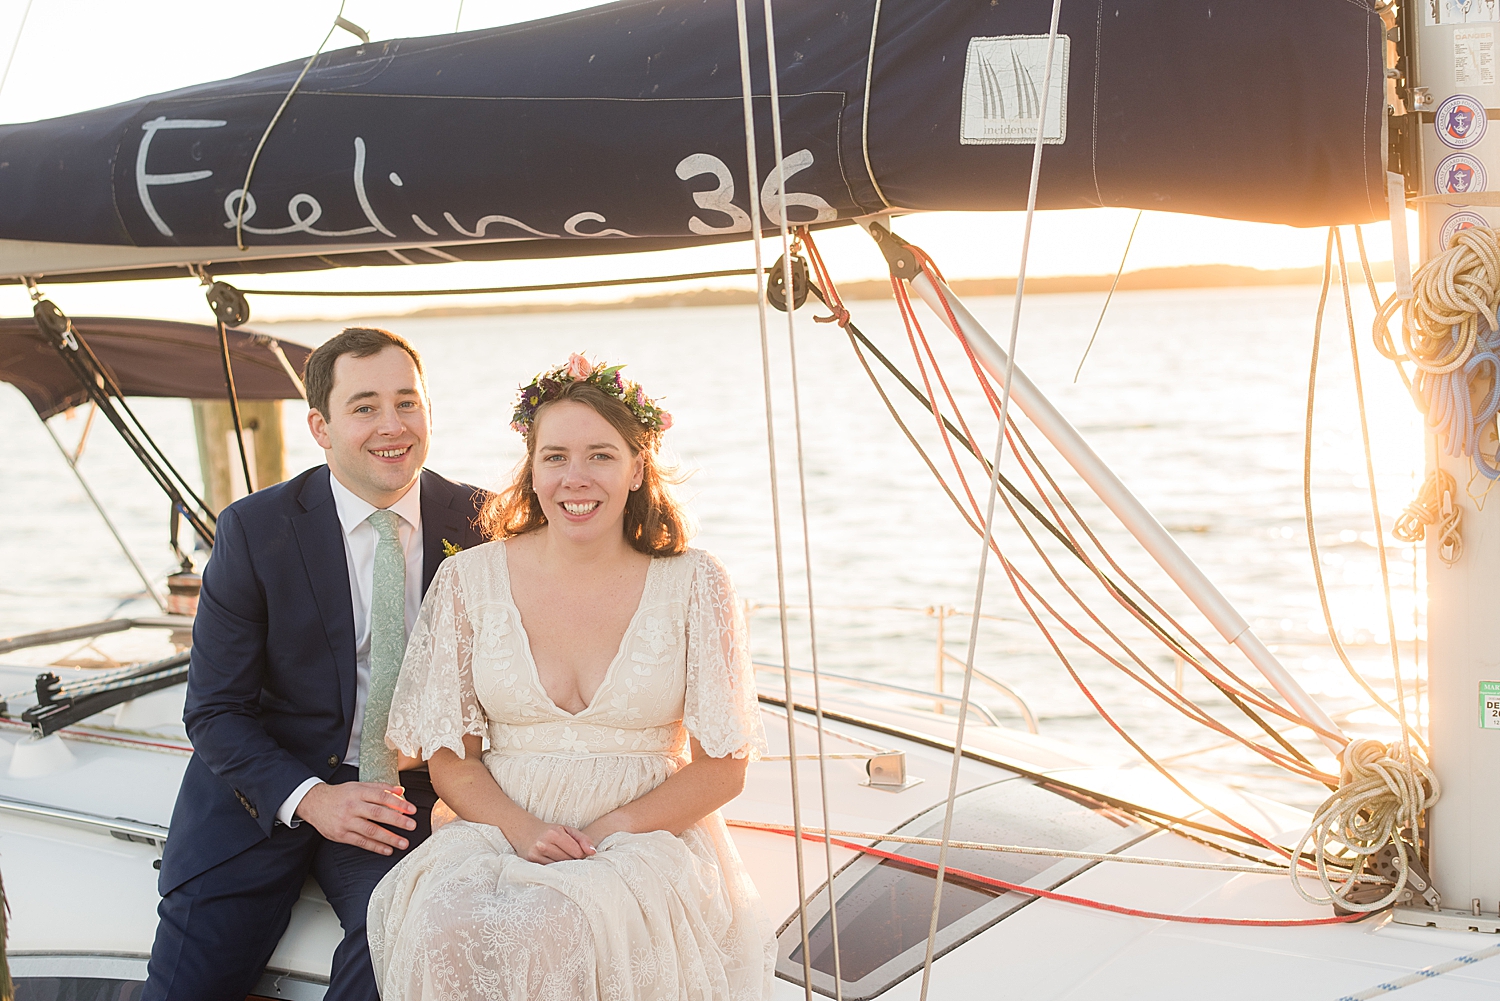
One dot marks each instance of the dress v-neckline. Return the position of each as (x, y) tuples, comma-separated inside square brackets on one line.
[(614, 663)]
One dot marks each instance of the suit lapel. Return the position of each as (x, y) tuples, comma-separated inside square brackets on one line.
[(447, 516), (436, 523), (320, 538)]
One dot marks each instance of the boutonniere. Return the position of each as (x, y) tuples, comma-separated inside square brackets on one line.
[(449, 549)]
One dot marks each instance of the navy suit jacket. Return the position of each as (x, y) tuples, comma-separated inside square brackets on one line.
[(270, 695)]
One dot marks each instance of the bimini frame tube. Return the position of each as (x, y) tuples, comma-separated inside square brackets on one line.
[(1155, 539)]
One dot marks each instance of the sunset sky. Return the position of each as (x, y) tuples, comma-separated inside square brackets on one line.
[(73, 55)]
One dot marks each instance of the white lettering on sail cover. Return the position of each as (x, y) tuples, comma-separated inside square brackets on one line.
[(304, 210), (721, 198), (1002, 90), (770, 193), (144, 182)]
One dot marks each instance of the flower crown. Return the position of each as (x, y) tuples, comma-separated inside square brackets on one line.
[(545, 387)]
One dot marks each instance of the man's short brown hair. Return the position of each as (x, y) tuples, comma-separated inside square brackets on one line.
[(361, 342)]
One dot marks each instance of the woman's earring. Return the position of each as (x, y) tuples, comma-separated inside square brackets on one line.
[(635, 486)]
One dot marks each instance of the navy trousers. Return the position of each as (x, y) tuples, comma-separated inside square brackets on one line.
[(216, 931)]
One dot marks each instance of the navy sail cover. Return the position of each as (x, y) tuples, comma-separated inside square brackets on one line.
[(622, 128)]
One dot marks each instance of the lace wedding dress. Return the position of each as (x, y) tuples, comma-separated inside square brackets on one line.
[(651, 915)]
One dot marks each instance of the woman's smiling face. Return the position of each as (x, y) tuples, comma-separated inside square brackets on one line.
[(582, 471)]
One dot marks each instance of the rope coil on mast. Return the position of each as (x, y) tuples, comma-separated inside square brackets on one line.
[(1434, 508), (1382, 792), (1451, 336)]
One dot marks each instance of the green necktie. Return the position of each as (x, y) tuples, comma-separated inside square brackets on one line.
[(377, 762)]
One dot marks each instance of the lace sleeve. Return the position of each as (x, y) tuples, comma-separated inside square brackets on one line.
[(434, 704), (720, 708)]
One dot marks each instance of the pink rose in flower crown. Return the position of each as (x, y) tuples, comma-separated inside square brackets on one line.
[(666, 420), (579, 367)]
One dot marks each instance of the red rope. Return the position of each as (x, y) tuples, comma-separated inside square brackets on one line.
[(1065, 898)]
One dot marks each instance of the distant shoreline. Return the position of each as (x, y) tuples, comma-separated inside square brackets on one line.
[(1188, 276)]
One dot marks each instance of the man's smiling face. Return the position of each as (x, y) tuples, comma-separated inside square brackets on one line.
[(375, 434)]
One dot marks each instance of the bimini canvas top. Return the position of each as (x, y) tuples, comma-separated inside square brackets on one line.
[(621, 128), (146, 358)]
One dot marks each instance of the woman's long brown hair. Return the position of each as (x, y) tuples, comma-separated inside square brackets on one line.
[(654, 520)]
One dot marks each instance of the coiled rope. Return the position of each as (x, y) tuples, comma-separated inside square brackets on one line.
[(1433, 507), (1451, 337), (1382, 792)]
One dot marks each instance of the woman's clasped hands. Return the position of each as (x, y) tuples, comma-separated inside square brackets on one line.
[(538, 841)]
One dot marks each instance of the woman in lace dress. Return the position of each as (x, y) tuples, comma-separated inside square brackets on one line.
[(582, 691)]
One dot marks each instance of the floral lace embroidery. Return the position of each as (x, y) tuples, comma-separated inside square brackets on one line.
[(682, 663), (649, 916)]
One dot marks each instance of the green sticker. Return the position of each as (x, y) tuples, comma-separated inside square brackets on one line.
[(1489, 705)]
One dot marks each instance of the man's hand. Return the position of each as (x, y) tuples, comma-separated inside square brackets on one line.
[(352, 812), (538, 841)]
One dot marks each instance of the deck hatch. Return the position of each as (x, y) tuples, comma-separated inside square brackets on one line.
[(885, 906)]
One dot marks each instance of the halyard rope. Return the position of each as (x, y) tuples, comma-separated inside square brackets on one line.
[(994, 490), (239, 215), (864, 128), (753, 178), (784, 227), (1307, 501), (1385, 573), (1018, 580)]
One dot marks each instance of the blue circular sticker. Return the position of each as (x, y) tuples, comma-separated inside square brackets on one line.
[(1456, 222), (1460, 121), (1459, 174)]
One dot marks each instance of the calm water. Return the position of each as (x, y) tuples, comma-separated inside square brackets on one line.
[(1196, 398)]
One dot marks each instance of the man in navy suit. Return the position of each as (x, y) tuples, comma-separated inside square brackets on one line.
[(280, 684)]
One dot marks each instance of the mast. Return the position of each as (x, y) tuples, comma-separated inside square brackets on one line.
[(1454, 100)]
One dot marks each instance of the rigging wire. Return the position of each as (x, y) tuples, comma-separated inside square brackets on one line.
[(555, 287), (1267, 868), (864, 123), (1385, 571), (234, 404), (914, 333), (994, 489), (857, 338), (15, 45), (105, 393), (1307, 502), (841, 315), (1113, 285), (783, 226), (239, 214), (747, 95)]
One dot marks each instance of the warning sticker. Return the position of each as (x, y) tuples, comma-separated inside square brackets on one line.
[(1474, 56), (1003, 82), (1489, 705)]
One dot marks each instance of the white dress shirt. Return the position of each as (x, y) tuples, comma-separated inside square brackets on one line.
[(359, 550)]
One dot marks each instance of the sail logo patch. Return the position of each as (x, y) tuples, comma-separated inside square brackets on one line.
[(1460, 174), (1457, 223), (1004, 80), (1460, 121)]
